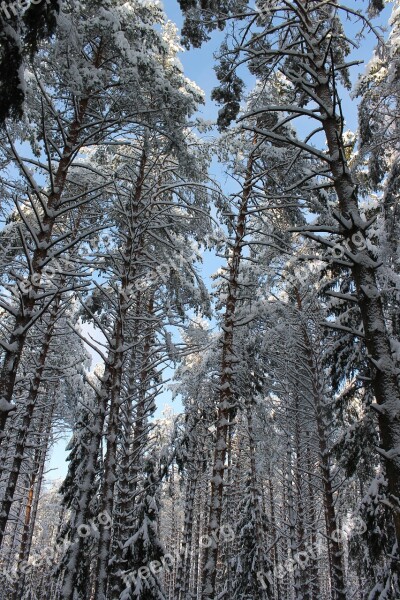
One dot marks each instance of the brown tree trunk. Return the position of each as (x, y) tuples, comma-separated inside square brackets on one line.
[(385, 380), (226, 394), (292, 517)]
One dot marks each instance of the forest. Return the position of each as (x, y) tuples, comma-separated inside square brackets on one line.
[(245, 269)]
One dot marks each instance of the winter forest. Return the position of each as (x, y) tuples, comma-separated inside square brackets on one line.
[(202, 313)]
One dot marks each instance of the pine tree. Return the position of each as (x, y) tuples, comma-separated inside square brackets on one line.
[(146, 549)]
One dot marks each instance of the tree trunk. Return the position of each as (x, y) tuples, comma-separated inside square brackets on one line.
[(25, 317), (226, 394), (292, 518), (182, 577), (275, 551), (261, 592), (304, 579), (315, 592)]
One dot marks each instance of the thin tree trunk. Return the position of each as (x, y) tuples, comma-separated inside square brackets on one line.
[(182, 577), (261, 592), (335, 550), (229, 515), (125, 496), (226, 394), (110, 460), (275, 552), (304, 579), (315, 592), (285, 586), (292, 518)]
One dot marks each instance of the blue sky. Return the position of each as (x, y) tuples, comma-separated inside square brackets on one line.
[(198, 63)]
